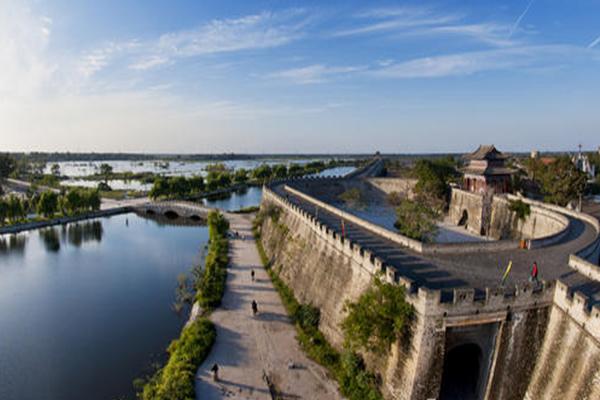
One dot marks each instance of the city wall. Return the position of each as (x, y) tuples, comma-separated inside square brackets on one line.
[(543, 227), (326, 270)]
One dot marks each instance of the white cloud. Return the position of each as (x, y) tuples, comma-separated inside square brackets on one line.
[(316, 73), (473, 62), (259, 31), (393, 19), (423, 21), (24, 38)]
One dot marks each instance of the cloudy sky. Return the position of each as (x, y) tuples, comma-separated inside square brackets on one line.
[(290, 76)]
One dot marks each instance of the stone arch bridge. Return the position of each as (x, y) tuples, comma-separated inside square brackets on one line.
[(175, 209)]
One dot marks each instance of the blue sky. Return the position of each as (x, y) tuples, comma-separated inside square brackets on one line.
[(292, 76)]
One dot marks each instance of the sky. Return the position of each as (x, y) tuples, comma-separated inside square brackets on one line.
[(298, 76)]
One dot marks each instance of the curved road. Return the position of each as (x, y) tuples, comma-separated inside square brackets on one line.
[(477, 270)]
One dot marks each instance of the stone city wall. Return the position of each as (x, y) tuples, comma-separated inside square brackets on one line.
[(403, 186), (327, 270), (568, 366)]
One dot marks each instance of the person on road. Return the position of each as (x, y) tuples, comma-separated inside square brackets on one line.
[(215, 371), (252, 274), (254, 307), (534, 273)]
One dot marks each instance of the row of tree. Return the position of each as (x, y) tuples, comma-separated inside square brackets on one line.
[(560, 182), (47, 204), (220, 177)]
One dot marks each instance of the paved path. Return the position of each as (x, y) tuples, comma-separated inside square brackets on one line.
[(246, 346)]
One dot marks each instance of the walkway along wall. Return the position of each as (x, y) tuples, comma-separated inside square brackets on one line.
[(324, 269)]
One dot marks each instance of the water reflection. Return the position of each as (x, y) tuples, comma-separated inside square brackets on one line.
[(51, 239), (57, 316), (81, 232), (13, 243)]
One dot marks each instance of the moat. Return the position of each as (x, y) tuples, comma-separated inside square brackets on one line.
[(86, 308)]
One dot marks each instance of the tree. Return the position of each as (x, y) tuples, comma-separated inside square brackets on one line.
[(240, 176), (416, 220), (7, 165), (3, 211), (433, 178), (55, 170), (562, 182), (15, 209), (295, 170), (379, 317), (159, 188), (279, 171), (196, 184), (106, 170), (262, 173), (47, 204)]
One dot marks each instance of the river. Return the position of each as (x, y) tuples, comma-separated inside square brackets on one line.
[(86, 308)]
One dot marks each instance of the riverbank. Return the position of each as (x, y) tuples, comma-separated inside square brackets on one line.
[(27, 226)]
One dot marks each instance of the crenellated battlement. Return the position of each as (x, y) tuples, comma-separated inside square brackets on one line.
[(459, 301), (581, 308)]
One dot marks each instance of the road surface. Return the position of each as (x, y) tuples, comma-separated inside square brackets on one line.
[(246, 345)]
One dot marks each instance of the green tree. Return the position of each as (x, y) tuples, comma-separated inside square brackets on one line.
[(3, 211), (55, 170), (47, 204), (196, 184), (379, 317), (279, 171), (160, 188), (240, 176), (416, 220), (262, 173), (106, 170), (562, 182), (15, 209), (433, 178), (295, 170), (7, 165)]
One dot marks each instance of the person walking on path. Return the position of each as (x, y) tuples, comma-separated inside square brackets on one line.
[(215, 371), (252, 274), (534, 273), (254, 307)]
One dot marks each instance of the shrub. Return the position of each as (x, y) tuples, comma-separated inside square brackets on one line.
[(356, 383), (353, 198), (211, 284), (176, 380), (416, 220), (521, 209), (379, 317)]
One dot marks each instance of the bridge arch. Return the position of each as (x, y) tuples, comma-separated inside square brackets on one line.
[(171, 214), (195, 217)]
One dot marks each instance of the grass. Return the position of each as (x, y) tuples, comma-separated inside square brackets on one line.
[(175, 381), (348, 368)]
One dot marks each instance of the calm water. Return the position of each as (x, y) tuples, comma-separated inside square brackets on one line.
[(78, 169), (252, 195), (75, 170), (85, 309)]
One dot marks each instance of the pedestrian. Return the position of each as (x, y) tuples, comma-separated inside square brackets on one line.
[(252, 274), (215, 371), (254, 307), (534, 273)]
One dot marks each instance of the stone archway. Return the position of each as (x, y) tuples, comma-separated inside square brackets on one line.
[(171, 214), (464, 219), (461, 373)]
